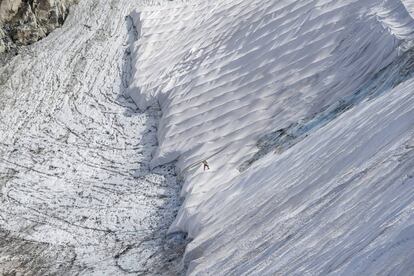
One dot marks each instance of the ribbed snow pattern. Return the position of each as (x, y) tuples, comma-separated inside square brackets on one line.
[(395, 16), (235, 69), (227, 72)]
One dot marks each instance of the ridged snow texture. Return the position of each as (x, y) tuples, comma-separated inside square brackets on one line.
[(226, 73)]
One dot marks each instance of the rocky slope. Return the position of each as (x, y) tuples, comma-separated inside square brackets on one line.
[(26, 21)]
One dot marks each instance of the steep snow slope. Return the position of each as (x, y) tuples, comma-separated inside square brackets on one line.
[(336, 198), (341, 201), (323, 87)]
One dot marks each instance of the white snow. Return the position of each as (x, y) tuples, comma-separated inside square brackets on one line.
[(304, 110), (338, 199)]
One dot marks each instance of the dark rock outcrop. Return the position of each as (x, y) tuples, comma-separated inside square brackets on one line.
[(23, 22)]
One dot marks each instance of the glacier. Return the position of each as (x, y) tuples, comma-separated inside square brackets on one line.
[(78, 196), (304, 110)]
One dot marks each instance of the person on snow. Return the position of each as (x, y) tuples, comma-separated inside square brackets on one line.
[(206, 166)]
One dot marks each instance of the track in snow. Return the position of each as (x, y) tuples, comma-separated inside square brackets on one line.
[(77, 193)]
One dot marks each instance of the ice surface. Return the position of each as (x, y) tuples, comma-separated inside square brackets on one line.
[(77, 194)]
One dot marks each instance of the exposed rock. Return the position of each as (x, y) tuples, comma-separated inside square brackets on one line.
[(23, 22)]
